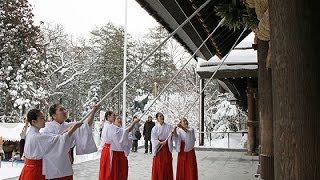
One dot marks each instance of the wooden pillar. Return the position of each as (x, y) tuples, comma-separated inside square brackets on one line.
[(201, 114), (265, 112), (251, 117), (295, 52), (256, 121)]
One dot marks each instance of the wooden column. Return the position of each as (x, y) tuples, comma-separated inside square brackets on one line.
[(251, 117), (295, 37), (256, 121), (201, 114), (265, 113)]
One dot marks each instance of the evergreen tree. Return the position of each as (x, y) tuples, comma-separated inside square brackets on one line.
[(22, 69), (161, 65), (107, 41)]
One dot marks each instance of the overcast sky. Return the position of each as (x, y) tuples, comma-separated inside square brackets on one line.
[(79, 17)]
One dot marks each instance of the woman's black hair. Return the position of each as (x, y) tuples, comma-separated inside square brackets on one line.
[(53, 109), (33, 114), (108, 113), (158, 114)]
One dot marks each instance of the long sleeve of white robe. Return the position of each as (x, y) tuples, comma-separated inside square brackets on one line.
[(82, 137), (161, 132), (120, 139), (40, 146), (60, 166), (188, 137), (84, 140)]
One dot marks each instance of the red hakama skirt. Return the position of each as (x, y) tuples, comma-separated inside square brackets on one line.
[(186, 164), (119, 169), (32, 170), (162, 164), (104, 172)]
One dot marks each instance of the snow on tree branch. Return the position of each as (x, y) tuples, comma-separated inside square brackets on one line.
[(72, 78)]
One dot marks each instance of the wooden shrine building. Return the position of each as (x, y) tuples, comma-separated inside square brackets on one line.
[(284, 96)]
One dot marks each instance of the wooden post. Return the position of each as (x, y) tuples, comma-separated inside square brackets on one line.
[(251, 132), (201, 114), (265, 112), (294, 27), (256, 121)]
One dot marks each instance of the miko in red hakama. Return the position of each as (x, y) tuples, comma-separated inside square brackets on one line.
[(162, 164), (186, 164), (119, 166), (105, 172), (113, 161), (32, 170)]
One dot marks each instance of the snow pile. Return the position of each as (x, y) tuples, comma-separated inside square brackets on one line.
[(235, 141), (237, 59)]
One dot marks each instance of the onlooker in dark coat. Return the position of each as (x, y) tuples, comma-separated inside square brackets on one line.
[(135, 139), (148, 125)]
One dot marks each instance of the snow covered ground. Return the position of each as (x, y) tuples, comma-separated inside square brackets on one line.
[(9, 169)]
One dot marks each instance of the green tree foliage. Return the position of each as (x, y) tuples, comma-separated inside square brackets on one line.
[(107, 41), (160, 66), (237, 15)]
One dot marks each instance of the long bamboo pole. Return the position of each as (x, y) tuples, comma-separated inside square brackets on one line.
[(124, 86), (147, 57), (167, 85), (224, 59)]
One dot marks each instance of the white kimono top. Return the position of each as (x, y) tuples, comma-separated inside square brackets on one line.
[(161, 132), (120, 139), (60, 166), (188, 138), (38, 145), (104, 139), (117, 137)]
